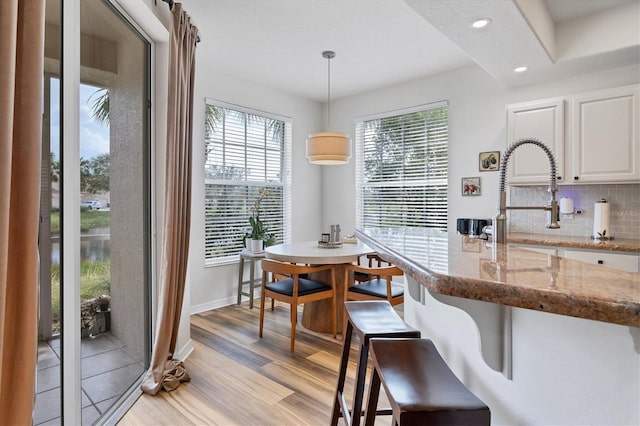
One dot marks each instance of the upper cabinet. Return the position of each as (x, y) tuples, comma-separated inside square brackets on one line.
[(605, 136), (598, 144), (542, 120)]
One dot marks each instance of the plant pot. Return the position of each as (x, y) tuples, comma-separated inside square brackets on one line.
[(254, 246)]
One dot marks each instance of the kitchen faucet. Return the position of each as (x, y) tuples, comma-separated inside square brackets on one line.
[(499, 230)]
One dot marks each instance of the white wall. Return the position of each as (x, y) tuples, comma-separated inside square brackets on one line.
[(477, 122), (566, 371), (325, 194)]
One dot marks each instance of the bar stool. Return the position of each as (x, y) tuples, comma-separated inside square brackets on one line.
[(369, 319), (252, 258), (420, 386)]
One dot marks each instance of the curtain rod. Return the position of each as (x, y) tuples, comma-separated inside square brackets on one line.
[(170, 3)]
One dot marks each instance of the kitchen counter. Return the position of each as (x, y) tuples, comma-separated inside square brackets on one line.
[(469, 268), (622, 244)]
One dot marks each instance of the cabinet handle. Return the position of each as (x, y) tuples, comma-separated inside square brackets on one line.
[(600, 262), (576, 178), (558, 177)]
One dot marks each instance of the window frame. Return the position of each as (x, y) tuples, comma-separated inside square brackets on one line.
[(360, 158), (285, 182)]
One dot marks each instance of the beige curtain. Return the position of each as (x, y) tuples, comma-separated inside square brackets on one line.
[(21, 73), (164, 372)]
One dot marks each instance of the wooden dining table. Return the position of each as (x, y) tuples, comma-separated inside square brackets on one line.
[(316, 316)]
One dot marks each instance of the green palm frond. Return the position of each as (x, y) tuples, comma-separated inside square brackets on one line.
[(100, 106)]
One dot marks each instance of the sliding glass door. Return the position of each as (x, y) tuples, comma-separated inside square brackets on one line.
[(95, 234)]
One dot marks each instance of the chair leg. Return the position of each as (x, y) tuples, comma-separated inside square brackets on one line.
[(294, 320), (334, 320), (262, 302)]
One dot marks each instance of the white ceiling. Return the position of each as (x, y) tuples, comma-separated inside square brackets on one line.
[(279, 43)]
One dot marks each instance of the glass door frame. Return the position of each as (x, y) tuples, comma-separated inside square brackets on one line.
[(70, 80)]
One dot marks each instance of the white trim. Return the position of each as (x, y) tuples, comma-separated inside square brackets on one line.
[(70, 155), (246, 110), (409, 110), (227, 301), (184, 352)]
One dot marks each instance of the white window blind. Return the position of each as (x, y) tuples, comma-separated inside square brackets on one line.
[(245, 151), (401, 169)]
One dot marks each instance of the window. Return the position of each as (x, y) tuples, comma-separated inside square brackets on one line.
[(245, 151), (401, 169)]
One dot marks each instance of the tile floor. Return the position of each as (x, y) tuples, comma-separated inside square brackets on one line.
[(107, 372)]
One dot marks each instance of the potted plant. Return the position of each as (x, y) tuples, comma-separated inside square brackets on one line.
[(102, 303), (258, 236)]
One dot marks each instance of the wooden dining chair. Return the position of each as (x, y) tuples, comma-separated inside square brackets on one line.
[(288, 286), (371, 258), (379, 287)]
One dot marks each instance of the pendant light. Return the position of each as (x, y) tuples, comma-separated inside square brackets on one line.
[(328, 148)]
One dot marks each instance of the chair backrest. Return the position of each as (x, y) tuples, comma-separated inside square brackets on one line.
[(374, 257), (382, 271)]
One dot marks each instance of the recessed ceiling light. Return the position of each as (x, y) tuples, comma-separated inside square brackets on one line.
[(520, 69), (481, 23)]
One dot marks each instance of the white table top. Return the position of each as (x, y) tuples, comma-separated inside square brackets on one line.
[(308, 252)]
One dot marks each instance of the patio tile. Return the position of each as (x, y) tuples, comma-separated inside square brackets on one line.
[(48, 378), (96, 345), (47, 407), (106, 404), (104, 362), (89, 415), (46, 356), (85, 399), (54, 422), (111, 384)]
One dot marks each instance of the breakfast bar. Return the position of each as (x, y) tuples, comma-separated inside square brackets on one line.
[(541, 339), (460, 266)]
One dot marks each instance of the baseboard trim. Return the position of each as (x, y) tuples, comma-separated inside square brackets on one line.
[(184, 351), (220, 303)]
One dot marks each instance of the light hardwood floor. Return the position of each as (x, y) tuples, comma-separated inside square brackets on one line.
[(238, 378)]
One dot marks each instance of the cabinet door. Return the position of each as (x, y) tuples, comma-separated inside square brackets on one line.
[(545, 250), (623, 262), (605, 136), (542, 120)]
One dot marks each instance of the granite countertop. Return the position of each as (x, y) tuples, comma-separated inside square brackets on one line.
[(622, 244), (461, 266)]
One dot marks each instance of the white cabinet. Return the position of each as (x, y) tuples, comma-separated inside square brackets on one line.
[(605, 136), (599, 144), (542, 120), (546, 250), (623, 262)]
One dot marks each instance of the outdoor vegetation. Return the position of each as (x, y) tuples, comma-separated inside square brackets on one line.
[(95, 275)]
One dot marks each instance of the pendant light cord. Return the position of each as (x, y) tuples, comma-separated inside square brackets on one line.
[(329, 55), (328, 92)]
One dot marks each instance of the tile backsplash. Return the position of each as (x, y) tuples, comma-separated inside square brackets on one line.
[(624, 205)]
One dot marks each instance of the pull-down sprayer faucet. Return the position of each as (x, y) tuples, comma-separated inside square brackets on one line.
[(500, 220)]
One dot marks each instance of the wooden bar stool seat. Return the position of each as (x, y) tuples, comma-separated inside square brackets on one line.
[(420, 386), (369, 319)]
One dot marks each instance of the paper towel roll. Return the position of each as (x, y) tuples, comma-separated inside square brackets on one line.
[(601, 220), (566, 205)]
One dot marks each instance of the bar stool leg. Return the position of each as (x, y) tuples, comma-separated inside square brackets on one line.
[(372, 404), (240, 274), (344, 362), (361, 374)]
